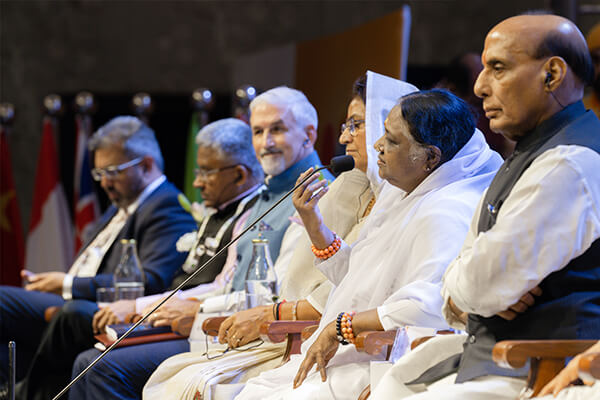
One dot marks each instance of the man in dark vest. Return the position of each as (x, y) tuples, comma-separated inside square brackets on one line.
[(230, 178), (530, 265)]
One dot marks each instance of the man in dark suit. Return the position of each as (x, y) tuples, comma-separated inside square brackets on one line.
[(128, 164)]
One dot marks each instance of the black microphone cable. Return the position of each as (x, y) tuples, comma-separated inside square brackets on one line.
[(338, 164)]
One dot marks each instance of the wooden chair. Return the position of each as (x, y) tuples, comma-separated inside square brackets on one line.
[(276, 332), (547, 358), (293, 331), (375, 342), (210, 326), (378, 342)]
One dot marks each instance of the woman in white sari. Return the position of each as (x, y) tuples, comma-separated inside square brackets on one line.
[(352, 195), (436, 166)]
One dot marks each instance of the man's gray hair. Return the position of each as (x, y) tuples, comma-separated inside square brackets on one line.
[(291, 100), (135, 138), (231, 139)]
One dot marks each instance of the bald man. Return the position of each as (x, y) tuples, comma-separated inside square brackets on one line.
[(530, 264), (592, 100)]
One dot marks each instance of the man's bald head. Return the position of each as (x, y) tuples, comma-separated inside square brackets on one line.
[(534, 66), (552, 35)]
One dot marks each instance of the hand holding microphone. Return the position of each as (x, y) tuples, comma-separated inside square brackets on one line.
[(338, 165), (305, 199)]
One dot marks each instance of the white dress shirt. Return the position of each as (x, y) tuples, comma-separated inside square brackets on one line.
[(533, 236), (88, 262)]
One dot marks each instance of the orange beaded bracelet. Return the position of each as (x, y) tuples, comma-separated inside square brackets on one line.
[(343, 327), (346, 325), (330, 250)]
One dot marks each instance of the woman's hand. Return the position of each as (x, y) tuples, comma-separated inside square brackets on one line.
[(568, 375), (112, 313), (305, 199), (171, 310), (244, 326), (321, 351)]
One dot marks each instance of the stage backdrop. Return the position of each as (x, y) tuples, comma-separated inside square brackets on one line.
[(326, 68)]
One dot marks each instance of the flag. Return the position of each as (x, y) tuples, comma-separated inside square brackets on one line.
[(190, 191), (11, 231), (50, 239), (85, 200)]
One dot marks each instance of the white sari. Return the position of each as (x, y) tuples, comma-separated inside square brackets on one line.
[(342, 208), (395, 266)]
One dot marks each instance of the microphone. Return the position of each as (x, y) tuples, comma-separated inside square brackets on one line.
[(338, 164), (341, 164)]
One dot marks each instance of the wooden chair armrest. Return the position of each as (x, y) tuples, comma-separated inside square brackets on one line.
[(375, 342), (210, 326), (515, 353), (308, 332), (183, 325), (547, 358), (277, 331), (50, 312), (589, 366)]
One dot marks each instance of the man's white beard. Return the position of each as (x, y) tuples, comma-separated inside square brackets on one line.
[(273, 164)]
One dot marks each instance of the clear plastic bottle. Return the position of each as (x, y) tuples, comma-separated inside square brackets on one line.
[(261, 281), (129, 276)]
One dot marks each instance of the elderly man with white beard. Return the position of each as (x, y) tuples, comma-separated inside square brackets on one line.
[(284, 131), (284, 127)]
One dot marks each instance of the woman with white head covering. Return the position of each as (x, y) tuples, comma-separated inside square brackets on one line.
[(436, 167), (349, 200)]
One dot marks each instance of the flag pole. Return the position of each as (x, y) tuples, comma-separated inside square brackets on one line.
[(86, 208), (12, 245)]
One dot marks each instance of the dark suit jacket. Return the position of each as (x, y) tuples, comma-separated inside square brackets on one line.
[(156, 225)]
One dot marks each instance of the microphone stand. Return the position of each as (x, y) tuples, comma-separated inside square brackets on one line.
[(232, 241)]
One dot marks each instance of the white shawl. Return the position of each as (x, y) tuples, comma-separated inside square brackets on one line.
[(406, 244), (345, 203)]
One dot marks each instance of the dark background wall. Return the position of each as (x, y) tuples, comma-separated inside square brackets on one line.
[(168, 48)]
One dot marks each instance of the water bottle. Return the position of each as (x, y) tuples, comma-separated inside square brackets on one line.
[(261, 281), (129, 275)]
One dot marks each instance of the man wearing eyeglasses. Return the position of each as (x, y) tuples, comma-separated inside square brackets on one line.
[(128, 165), (284, 127), (230, 179)]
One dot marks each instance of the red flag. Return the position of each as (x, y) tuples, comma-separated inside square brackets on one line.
[(11, 231), (85, 201), (50, 238)]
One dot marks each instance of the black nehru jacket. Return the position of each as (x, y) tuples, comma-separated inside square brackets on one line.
[(212, 228)]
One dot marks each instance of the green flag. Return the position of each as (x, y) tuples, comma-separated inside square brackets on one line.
[(192, 193)]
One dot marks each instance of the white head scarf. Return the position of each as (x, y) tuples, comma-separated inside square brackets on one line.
[(348, 196), (406, 244), (383, 93)]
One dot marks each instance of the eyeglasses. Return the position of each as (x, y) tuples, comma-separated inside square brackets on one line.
[(113, 171), (352, 125), (203, 173)]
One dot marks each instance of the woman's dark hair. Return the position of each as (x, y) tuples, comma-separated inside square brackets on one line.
[(439, 118), (359, 89)]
